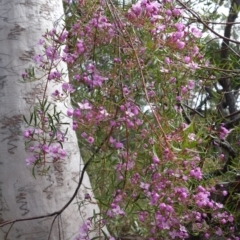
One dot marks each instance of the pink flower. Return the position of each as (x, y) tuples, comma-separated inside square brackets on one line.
[(70, 112), (62, 153), (90, 140), (24, 75), (219, 231), (77, 113), (177, 35), (187, 59), (45, 148), (180, 44), (56, 93), (167, 60), (118, 145), (27, 133), (136, 9), (30, 160), (196, 32), (223, 132), (180, 27), (83, 231), (52, 53), (195, 50), (168, 12), (54, 75), (67, 87), (84, 135), (80, 46), (85, 105), (63, 36), (41, 42), (178, 98), (144, 186), (118, 211), (196, 173), (172, 80), (74, 126), (38, 58), (190, 85), (155, 160), (184, 90), (77, 77), (224, 193), (176, 12)]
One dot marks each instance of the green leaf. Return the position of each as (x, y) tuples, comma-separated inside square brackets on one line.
[(33, 171), (31, 118), (35, 118), (46, 108), (25, 120)]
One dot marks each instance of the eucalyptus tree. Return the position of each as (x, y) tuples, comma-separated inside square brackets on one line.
[(44, 202)]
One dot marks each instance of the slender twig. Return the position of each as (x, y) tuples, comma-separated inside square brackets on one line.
[(49, 235), (232, 154), (233, 114), (194, 110), (57, 213), (205, 25), (232, 123), (5, 238), (187, 119)]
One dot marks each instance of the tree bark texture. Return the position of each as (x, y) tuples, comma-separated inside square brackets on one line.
[(22, 23)]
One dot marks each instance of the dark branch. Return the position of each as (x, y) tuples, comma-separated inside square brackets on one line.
[(232, 154), (225, 81)]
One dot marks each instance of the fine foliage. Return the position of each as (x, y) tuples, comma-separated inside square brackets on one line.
[(155, 147)]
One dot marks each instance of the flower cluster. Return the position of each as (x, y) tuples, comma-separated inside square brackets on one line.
[(44, 143), (131, 75)]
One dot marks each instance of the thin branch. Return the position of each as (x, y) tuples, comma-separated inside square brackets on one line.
[(232, 123), (49, 235), (5, 238), (215, 23), (233, 114), (187, 119), (225, 81), (193, 110), (232, 154), (204, 24), (203, 102), (57, 213)]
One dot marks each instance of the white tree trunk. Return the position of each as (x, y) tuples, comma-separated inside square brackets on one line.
[(22, 22)]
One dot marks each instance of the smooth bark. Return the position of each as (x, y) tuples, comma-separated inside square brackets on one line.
[(22, 22)]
